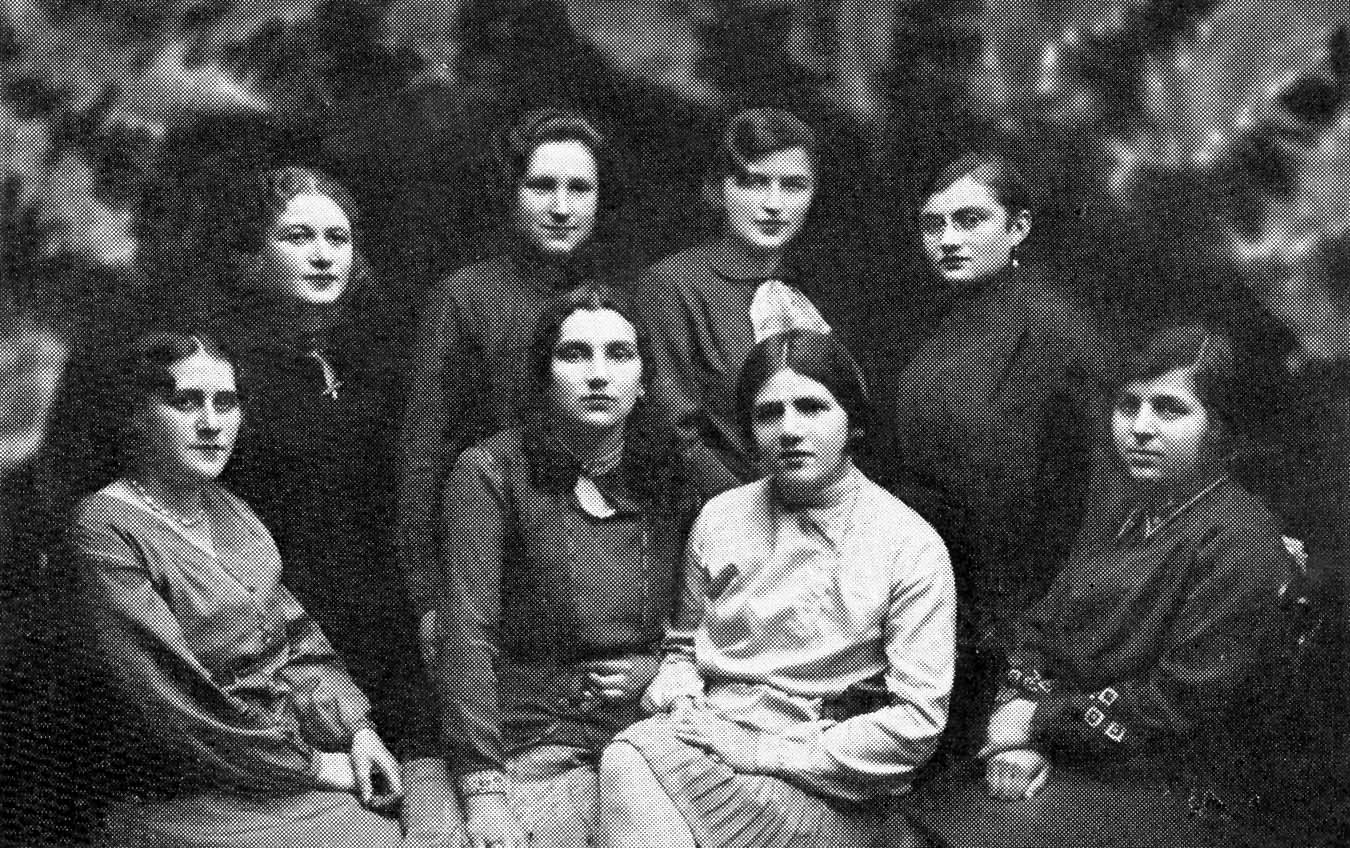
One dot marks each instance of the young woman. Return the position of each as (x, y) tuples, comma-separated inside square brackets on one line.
[(708, 305), (993, 413), (816, 662), (1131, 685), (298, 307), (562, 539), (469, 365), (241, 727)]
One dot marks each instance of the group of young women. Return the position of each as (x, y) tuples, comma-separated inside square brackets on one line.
[(658, 602)]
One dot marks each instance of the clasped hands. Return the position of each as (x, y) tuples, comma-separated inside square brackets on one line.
[(1013, 768), (353, 771)]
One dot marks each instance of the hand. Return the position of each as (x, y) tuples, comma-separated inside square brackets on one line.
[(369, 755), (490, 823), (430, 813), (620, 680), (1009, 727), (726, 740), (334, 771), (1018, 774), (677, 680)]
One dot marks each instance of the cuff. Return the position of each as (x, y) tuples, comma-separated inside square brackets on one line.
[(1086, 718), (781, 756), (486, 782)]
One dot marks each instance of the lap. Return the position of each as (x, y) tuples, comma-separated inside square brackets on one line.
[(552, 790), (727, 809), (1070, 811), (221, 820)]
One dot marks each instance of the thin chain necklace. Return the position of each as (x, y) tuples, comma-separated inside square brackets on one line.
[(153, 503)]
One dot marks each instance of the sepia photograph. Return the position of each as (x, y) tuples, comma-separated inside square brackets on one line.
[(674, 423)]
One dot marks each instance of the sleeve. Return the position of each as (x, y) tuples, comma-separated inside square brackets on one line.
[(885, 746), (329, 706), (678, 674), (434, 401), (469, 613), (676, 393), (1223, 627), (138, 643)]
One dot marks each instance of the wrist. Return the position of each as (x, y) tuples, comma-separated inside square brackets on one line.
[(483, 783)]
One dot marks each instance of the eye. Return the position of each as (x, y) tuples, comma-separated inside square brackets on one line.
[(542, 185), (227, 402), (185, 401), (796, 184), (766, 413), (968, 219), (748, 180), (297, 235), (581, 186), (623, 351), (930, 224), (572, 352), (339, 236), (1170, 408), (811, 406), (1127, 405)]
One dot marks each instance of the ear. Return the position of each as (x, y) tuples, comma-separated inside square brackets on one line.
[(1019, 226)]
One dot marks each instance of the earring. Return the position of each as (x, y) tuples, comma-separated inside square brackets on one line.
[(1015, 256)]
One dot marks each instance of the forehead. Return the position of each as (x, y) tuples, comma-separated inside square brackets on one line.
[(793, 161), (596, 325), (315, 209), (204, 373), (786, 386), (1179, 382), (964, 193), (567, 156)]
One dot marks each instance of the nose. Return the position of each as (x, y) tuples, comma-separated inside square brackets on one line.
[(773, 197), (790, 430), (1144, 425), (950, 236), (322, 256), (209, 421), (562, 204), (599, 372)]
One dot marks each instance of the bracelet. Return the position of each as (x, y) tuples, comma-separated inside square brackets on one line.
[(482, 783)]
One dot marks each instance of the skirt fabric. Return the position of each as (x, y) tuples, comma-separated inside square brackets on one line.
[(725, 809), (552, 790), (1072, 810), (220, 820)]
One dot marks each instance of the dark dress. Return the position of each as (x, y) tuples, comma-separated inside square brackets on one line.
[(468, 368), (1144, 660), (535, 587), (223, 687), (994, 434), (696, 304), (316, 460)]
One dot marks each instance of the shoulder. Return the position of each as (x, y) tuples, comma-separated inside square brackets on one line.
[(104, 525), (472, 284), (494, 455), (736, 508), (897, 527), (1242, 532), (670, 279)]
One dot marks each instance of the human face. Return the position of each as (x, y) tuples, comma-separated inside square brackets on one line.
[(190, 435), (766, 204), (557, 197), (307, 251), (967, 234), (596, 370), (1162, 429), (801, 433)]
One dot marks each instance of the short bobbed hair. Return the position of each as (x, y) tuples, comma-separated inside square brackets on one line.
[(820, 356), (997, 171), (752, 134), (253, 202), (513, 145), (1206, 350)]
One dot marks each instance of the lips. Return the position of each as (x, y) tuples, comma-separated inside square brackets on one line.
[(772, 228), (321, 279), (952, 262), (795, 456)]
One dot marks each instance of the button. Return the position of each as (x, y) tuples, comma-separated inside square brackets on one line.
[(1094, 717)]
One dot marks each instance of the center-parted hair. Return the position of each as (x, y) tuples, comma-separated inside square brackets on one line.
[(513, 145), (820, 356)]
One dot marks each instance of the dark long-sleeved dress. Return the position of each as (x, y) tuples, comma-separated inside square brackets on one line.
[(696, 304), (467, 371), (1145, 660), (231, 688), (994, 432), (534, 586)]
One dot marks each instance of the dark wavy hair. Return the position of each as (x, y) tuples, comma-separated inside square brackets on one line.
[(1205, 349), (996, 170), (513, 145), (820, 356), (650, 466), (141, 372), (252, 202), (755, 133)]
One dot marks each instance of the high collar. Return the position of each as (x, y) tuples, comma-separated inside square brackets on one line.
[(547, 272), (253, 321), (831, 497), (730, 261), (1152, 515)]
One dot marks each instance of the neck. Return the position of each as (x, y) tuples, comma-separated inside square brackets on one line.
[(1160, 495), (597, 452), (755, 263), (184, 497), (828, 493)]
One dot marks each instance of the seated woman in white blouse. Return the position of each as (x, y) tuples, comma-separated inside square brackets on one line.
[(814, 667)]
